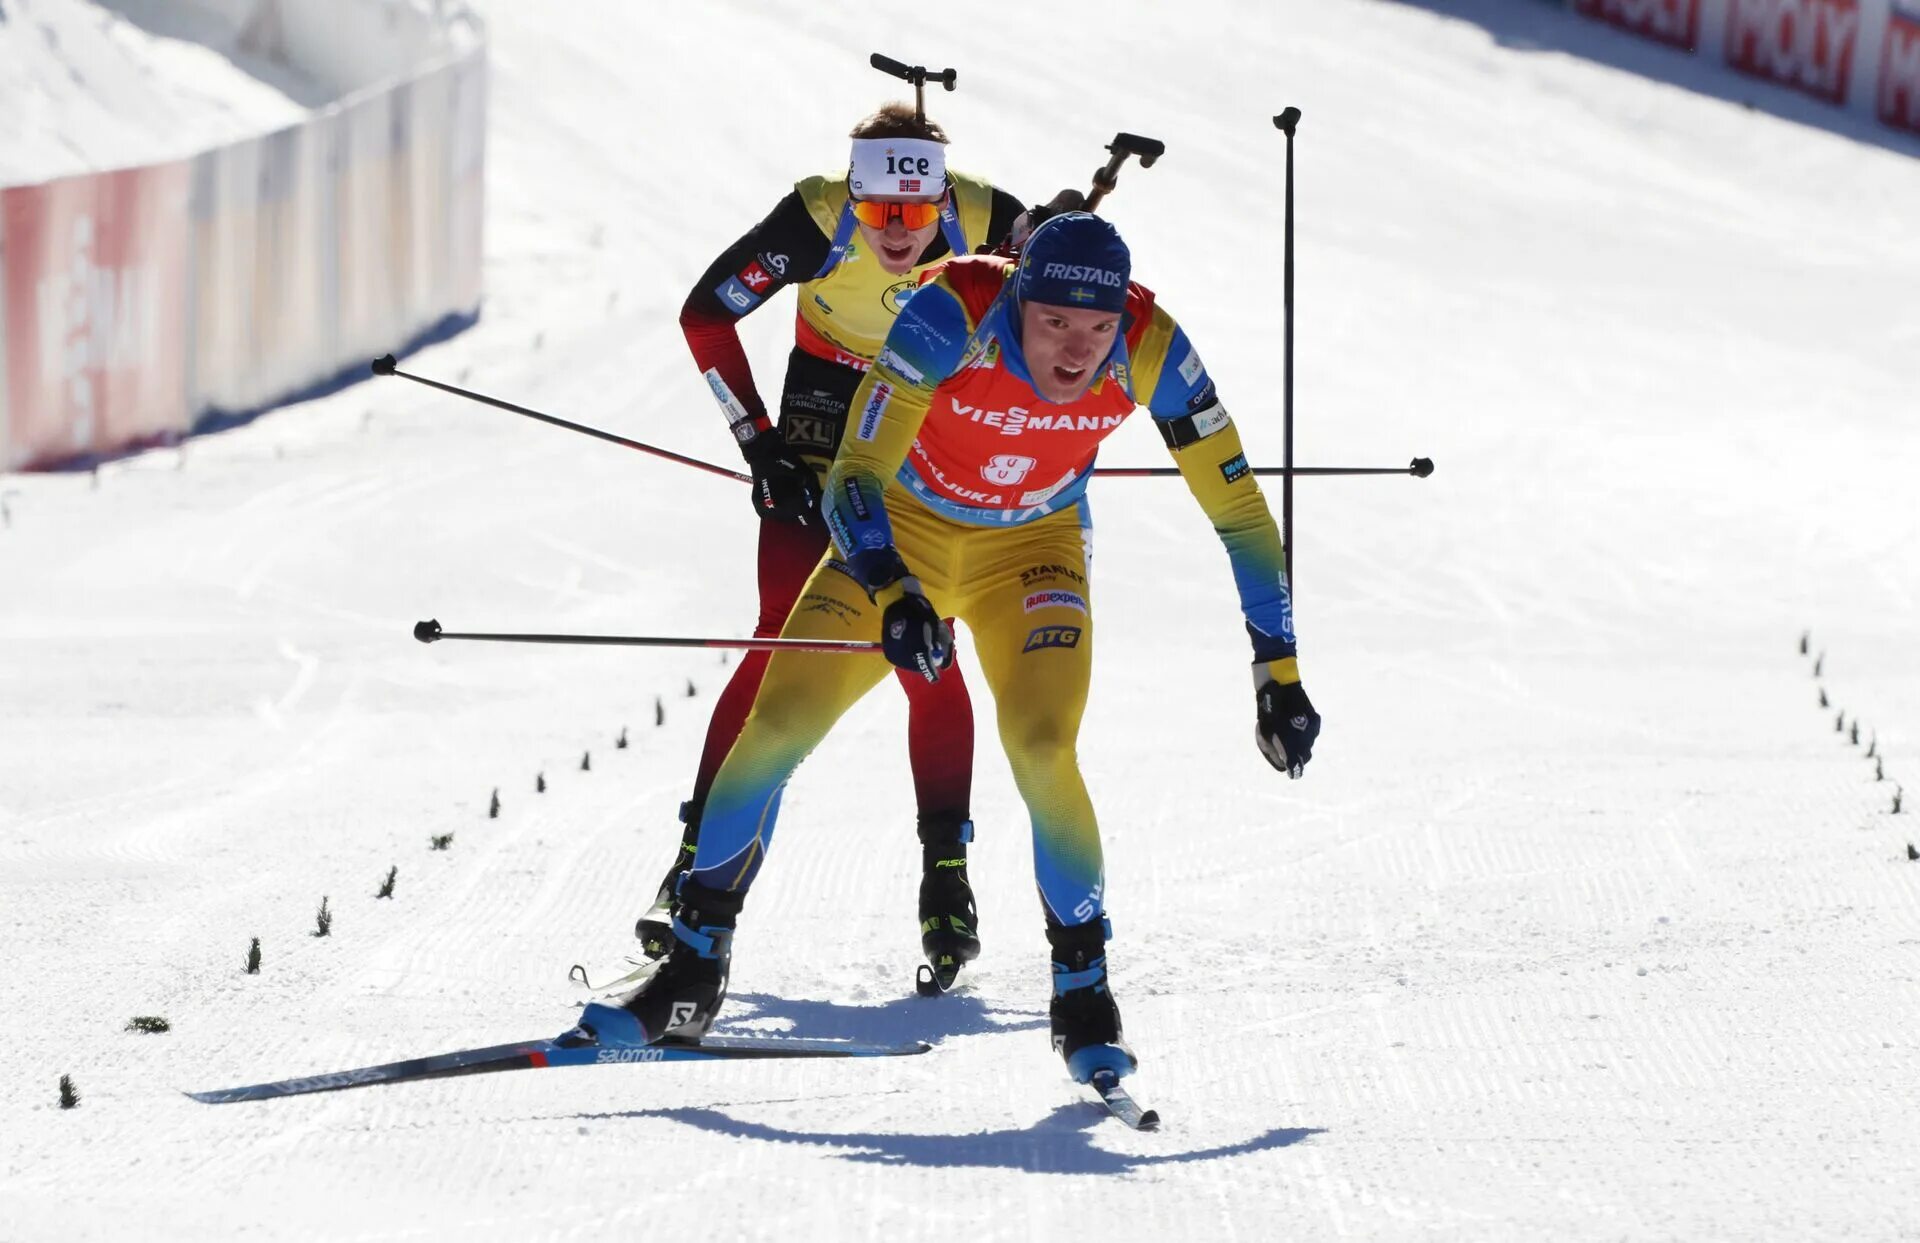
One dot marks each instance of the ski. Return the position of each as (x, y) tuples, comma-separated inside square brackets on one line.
[(1120, 1103), (605, 1036)]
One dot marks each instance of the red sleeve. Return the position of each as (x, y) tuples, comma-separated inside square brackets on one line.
[(785, 247), (715, 344)]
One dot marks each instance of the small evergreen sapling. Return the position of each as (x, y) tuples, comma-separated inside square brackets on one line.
[(386, 886), (323, 920), (151, 1024), (69, 1095), (253, 957)]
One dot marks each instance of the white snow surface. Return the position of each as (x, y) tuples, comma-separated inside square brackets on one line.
[(1585, 924), (83, 88)]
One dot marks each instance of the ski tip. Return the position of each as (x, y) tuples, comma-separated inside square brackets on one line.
[(1150, 1120), (578, 974)]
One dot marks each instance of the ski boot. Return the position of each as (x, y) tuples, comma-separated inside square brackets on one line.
[(655, 928), (682, 997), (1085, 1020), (948, 921)]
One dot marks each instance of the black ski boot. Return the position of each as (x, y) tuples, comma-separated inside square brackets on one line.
[(682, 997), (655, 928), (1086, 1022), (949, 924)]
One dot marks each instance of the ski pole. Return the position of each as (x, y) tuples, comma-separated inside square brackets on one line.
[(1420, 468), (1286, 122), (916, 74), (385, 365), (1107, 178), (429, 632)]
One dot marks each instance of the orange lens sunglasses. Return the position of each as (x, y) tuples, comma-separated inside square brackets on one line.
[(910, 215)]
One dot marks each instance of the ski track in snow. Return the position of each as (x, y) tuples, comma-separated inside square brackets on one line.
[(1586, 923)]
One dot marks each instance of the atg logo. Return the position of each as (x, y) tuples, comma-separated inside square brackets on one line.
[(1082, 272), (1052, 636)]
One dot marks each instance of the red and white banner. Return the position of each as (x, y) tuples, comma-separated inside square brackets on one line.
[(136, 304), (1806, 44), (1668, 21), (95, 282), (1898, 99), (1862, 55)]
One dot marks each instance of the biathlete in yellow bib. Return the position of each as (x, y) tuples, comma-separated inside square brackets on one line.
[(959, 490), (854, 244)]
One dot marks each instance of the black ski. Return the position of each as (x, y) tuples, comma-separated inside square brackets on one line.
[(1120, 1103), (605, 1036)]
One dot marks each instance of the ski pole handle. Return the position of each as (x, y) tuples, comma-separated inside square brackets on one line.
[(1107, 178), (919, 75)]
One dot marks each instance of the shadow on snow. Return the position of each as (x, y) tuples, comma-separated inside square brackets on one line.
[(1060, 1143), (913, 1017)]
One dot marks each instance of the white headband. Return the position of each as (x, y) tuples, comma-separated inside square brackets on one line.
[(884, 167)]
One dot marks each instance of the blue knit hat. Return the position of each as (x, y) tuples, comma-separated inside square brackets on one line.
[(1075, 259)]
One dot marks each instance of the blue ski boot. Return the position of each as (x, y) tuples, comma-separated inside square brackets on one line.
[(949, 922), (655, 928), (682, 997), (1085, 1020)]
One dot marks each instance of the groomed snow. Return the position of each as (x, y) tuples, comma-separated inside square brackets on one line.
[(1586, 924), (83, 89)]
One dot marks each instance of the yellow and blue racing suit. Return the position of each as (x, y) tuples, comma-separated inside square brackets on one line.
[(953, 463)]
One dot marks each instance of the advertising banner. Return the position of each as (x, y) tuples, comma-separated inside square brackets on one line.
[(1668, 21), (94, 271), (1806, 44), (1898, 99)]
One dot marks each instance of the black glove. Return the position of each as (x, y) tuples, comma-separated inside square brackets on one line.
[(785, 488), (1288, 724), (912, 634)]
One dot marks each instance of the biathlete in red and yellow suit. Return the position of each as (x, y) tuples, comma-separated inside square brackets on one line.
[(959, 489), (855, 244)]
